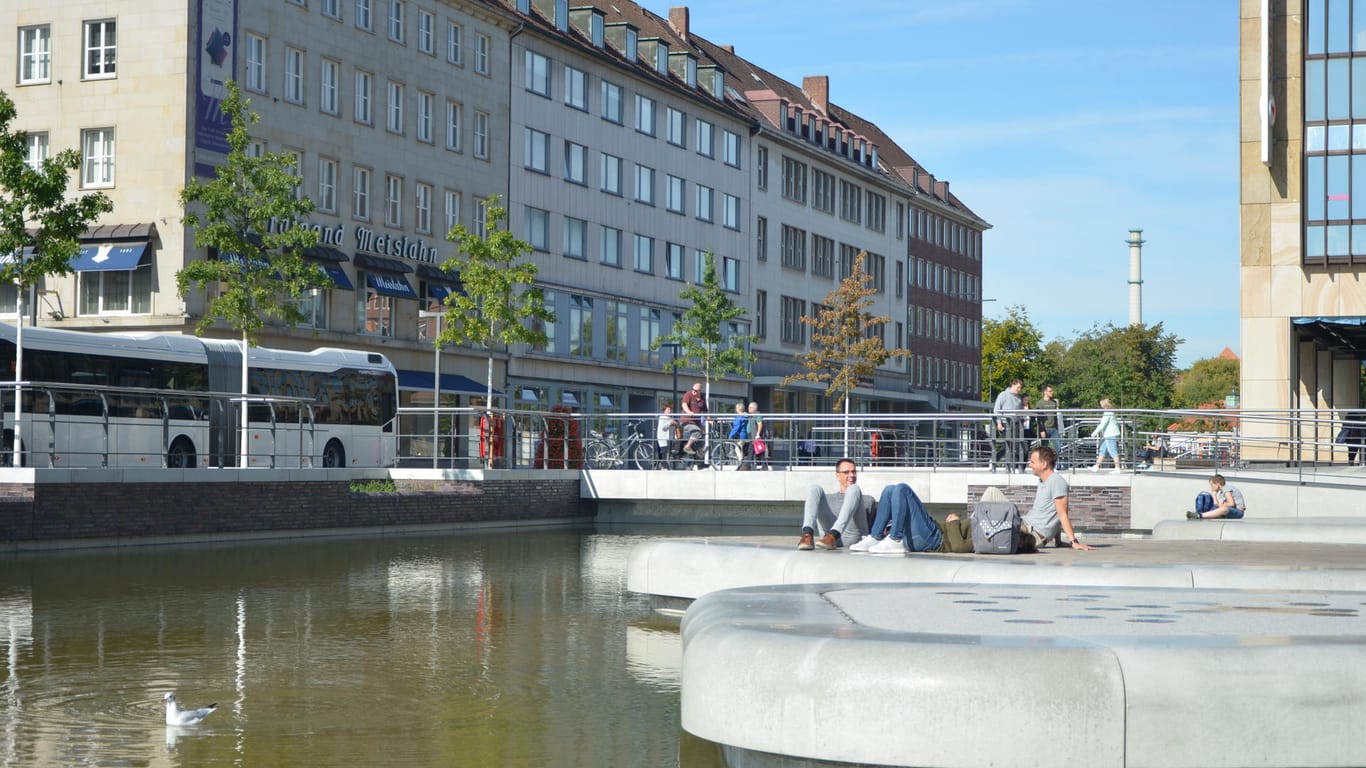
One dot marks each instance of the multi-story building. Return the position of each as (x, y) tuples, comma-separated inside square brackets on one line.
[(1303, 142), (624, 146)]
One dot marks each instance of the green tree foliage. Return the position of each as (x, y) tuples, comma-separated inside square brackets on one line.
[(1011, 349), (38, 219), (499, 302), (846, 339), (267, 274), (701, 332), (1208, 381), (1134, 366)]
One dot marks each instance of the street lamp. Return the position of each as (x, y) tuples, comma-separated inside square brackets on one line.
[(436, 384), (673, 346)]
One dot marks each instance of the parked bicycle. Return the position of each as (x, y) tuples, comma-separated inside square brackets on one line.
[(637, 450)]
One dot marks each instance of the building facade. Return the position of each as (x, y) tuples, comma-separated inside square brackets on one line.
[(624, 146)]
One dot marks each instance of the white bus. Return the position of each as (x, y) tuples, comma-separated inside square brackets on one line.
[(163, 399)]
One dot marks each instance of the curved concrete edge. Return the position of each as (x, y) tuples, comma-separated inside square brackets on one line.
[(1300, 530), (782, 670)]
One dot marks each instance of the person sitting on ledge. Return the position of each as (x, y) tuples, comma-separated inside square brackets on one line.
[(1049, 515), (903, 524), (818, 518), (1228, 502)]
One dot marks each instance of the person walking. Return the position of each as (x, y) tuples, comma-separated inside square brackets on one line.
[(1005, 422), (756, 438), (1050, 420), (1108, 432), (666, 431), (739, 432)]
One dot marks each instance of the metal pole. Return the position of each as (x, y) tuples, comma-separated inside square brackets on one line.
[(436, 385)]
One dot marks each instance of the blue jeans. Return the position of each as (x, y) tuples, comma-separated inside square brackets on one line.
[(911, 523)]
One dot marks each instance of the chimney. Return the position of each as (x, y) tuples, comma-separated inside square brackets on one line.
[(678, 19), (817, 89), (1135, 243)]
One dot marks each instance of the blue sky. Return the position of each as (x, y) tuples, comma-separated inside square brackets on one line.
[(1063, 123)]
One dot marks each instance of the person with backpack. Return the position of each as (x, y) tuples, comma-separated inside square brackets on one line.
[(1049, 513), (1222, 500), (904, 525)]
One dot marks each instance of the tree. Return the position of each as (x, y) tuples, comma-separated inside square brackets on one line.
[(40, 225), (1133, 365), (1010, 350), (846, 339), (1207, 381), (705, 340), (499, 302), (260, 271)]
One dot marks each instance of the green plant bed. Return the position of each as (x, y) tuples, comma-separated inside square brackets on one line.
[(374, 486)]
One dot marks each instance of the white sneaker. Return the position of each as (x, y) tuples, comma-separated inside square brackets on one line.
[(1093, 469), (1116, 471), (863, 545), (888, 546)]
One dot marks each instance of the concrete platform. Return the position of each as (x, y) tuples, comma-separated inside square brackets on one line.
[(975, 674)]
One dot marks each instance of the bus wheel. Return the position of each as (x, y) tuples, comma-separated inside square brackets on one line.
[(334, 455), (181, 455), (7, 450)]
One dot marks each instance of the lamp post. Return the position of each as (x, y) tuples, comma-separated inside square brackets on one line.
[(436, 384), (673, 346)]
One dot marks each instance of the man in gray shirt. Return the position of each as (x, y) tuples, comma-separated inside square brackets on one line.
[(819, 518), (1007, 425), (1049, 513)]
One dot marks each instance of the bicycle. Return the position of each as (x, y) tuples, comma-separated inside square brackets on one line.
[(604, 453)]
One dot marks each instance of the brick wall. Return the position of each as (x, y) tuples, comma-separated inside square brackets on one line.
[(1100, 508), (73, 511)]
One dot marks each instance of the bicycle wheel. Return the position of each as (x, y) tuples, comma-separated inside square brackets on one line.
[(724, 455), (643, 456), (598, 454)]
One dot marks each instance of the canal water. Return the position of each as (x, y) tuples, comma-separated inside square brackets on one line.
[(470, 649)]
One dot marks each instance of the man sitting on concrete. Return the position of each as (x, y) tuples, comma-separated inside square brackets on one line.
[(819, 519), (1228, 501)]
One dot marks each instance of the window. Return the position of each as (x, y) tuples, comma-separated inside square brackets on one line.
[(848, 255), (576, 88), (424, 116), (673, 261), (363, 114), (538, 228), (394, 122), (673, 194), (536, 148), (730, 214), (452, 209), (453, 110), (675, 126), (393, 200), (454, 37), (546, 327), (360, 194), (580, 326), (876, 266), (645, 115), (426, 32), (575, 238), (877, 212), (481, 135), (900, 221), (296, 169), (256, 148), (363, 18), (793, 331), (617, 314), (115, 292), (422, 208), (99, 49), (761, 169), (396, 8), (761, 239), (730, 274), (645, 185), (761, 314), (794, 179), (705, 198), (312, 304), (730, 143), (649, 334), (97, 157), (37, 150), (331, 8), (481, 53), (851, 202), (35, 54), (822, 256), (706, 139), (329, 78), (575, 163), (900, 279), (699, 265), (644, 254), (822, 191), (537, 73), (327, 185), (374, 310), (481, 217), (794, 248), (611, 174), (294, 75), (256, 64), (611, 102), (611, 246)]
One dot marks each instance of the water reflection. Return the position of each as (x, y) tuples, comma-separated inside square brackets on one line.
[(504, 649)]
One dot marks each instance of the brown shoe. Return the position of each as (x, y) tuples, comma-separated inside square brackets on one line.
[(805, 542), (828, 541)]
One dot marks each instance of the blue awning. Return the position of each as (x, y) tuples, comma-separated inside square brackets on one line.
[(440, 291), (9, 258), (106, 257), (421, 381), (390, 285), (338, 275)]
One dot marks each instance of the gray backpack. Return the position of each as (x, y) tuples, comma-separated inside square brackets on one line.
[(995, 528)]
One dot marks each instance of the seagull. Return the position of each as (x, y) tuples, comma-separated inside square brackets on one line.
[(177, 716)]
